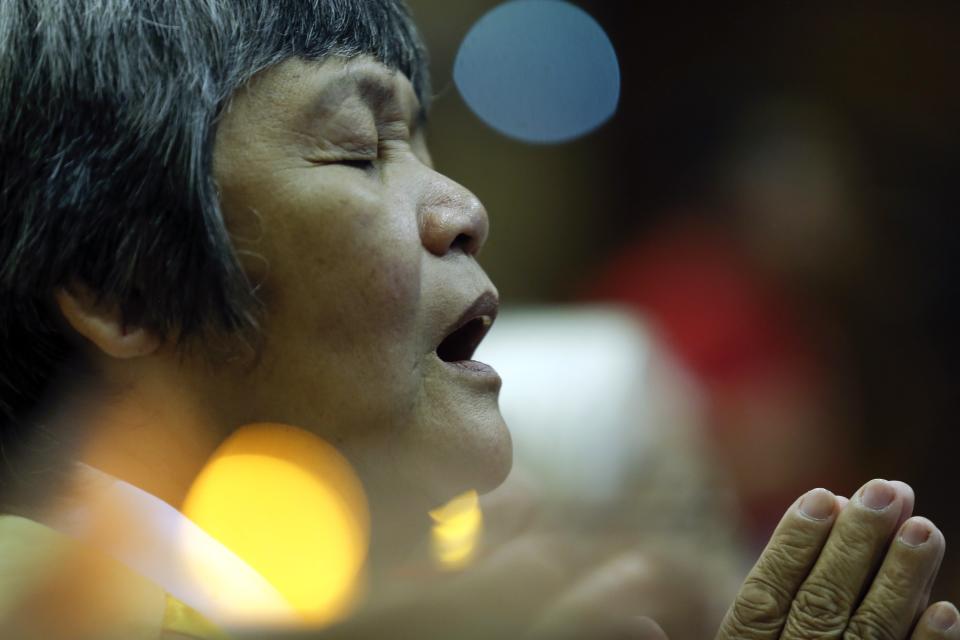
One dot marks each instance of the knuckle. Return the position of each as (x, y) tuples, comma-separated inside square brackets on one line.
[(887, 608), (785, 556), (871, 625), (760, 607), (900, 575), (783, 566), (819, 608), (801, 532), (853, 542)]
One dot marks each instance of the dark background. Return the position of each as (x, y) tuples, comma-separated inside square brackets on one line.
[(876, 83)]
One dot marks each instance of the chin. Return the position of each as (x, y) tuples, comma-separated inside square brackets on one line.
[(486, 460), (491, 460), (459, 453)]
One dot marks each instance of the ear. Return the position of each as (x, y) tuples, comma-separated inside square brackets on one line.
[(102, 324)]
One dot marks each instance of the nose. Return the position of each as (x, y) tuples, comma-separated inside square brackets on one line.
[(452, 219)]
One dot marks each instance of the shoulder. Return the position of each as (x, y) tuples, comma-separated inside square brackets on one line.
[(52, 586)]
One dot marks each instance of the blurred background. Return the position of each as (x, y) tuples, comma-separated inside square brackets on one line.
[(774, 205)]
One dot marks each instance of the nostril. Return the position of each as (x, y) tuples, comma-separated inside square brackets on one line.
[(462, 242)]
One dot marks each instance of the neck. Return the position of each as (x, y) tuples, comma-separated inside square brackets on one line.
[(149, 434)]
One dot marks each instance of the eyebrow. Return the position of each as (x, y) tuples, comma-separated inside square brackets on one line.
[(379, 90)]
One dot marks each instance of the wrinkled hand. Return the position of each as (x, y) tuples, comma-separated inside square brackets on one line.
[(853, 569)]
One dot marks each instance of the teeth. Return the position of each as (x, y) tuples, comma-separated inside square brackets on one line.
[(460, 345)]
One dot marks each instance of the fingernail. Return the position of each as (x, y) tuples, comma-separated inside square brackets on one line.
[(944, 616), (915, 532), (878, 495), (817, 504)]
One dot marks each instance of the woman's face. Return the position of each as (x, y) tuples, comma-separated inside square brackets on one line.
[(366, 261)]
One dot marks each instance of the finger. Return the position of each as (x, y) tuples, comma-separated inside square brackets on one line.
[(522, 576), (906, 492), (644, 628), (928, 588), (510, 510), (605, 599), (903, 489), (857, 543), (764, 601), (938, 622), (606, 603), (889, 609)]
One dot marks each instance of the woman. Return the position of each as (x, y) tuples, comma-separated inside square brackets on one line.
[(223, 213)]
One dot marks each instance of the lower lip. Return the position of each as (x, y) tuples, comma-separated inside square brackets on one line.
[(475, 369)]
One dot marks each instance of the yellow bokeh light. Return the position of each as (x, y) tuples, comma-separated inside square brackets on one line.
[(290, 506), (457, 527)]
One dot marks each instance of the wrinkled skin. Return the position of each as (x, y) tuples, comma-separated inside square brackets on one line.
[(365, 256), (852, 573)]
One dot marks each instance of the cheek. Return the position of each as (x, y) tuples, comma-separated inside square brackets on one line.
[(345, 260), (373, 273), (342, 291), (344, 301)]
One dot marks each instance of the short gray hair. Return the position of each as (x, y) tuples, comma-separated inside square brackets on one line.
[(108, 111)]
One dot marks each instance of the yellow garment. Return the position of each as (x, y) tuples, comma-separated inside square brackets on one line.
[(52, 588), (181, 619)]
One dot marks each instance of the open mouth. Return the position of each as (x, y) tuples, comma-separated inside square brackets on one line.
[(464, 336), (460, 345)]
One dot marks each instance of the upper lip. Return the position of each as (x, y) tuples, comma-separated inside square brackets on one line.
[(486, 307)]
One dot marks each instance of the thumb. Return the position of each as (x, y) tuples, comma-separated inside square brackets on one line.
[(642, 628)]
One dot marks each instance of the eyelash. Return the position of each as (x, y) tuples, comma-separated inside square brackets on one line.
[(358, 164)]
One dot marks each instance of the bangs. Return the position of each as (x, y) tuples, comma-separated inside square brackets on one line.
[(316, 29)]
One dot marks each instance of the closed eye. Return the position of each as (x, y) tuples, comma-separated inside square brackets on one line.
[(365, 165)]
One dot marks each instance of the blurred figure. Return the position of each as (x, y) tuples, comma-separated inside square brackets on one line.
[(609, 435), (727, 285)]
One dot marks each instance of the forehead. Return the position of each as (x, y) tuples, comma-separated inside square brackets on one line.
[(305, 89)]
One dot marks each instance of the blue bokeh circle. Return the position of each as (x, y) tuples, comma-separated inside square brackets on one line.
[(540, 71)]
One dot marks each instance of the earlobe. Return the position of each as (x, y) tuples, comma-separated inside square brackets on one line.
[(102, 324)]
